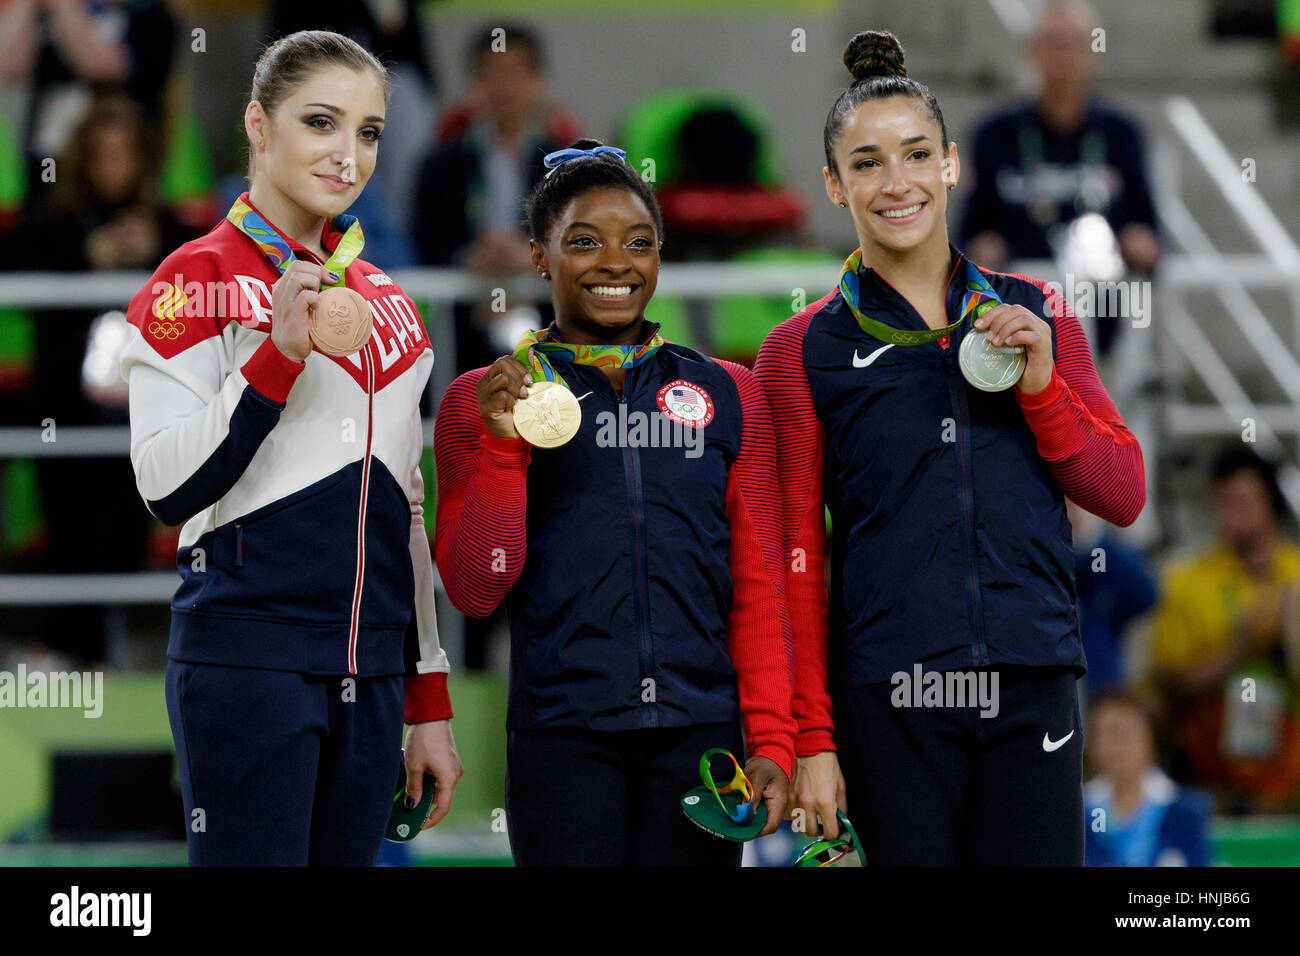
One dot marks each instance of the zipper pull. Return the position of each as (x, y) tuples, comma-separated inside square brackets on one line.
[(239, 545)]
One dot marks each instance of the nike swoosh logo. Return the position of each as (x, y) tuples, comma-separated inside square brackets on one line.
[(581, 397), (864, 362), (1049, 744)]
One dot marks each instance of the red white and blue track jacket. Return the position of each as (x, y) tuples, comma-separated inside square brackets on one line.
[(951, 546), (628, 564), (298, 483)]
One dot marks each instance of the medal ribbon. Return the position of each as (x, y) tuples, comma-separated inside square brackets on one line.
[(534, 349), (978, 291), (248, 221)]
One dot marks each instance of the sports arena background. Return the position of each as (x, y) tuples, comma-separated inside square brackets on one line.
[(1197, 333)]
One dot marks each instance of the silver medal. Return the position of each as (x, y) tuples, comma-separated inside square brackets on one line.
[(990, 368)]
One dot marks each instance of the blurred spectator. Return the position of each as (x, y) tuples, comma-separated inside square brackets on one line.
[(725, 196), (1226, 648), (1042, 164), (1136, 815), (70, 49), (1114, 588), (393, 31), (469, 206), (717, 173), (473, 184), (103, 215)]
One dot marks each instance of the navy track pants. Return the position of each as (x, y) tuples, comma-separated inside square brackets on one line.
[(278, 769), (943, 786), (612, 797)]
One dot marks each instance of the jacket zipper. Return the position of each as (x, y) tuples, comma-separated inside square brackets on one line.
[(967, 510), (632, 475), (963, 453), (367, 361)]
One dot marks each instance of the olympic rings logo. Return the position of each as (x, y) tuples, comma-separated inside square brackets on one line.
[(167, 330)]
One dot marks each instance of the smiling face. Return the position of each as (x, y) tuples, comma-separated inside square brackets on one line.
[(892, 174), (603, 258), (319, 147)]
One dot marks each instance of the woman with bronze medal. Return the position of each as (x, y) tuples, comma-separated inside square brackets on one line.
[(941, 412), (275, 381), (618, 492)]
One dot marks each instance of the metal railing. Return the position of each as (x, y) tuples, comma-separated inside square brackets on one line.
[(1182, 334), (1196, 266)]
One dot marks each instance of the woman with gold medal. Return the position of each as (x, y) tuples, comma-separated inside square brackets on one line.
[(618, 492)]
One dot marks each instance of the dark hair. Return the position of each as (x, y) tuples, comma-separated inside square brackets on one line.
[(482, 42), (72, 190), (1237, 459), (1121, 695), (875, 60), (558, 188), (1149, 707), (288, 61)]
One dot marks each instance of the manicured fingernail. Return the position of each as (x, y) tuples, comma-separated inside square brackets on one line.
[(410, 803), (334, 277), (523, 392)]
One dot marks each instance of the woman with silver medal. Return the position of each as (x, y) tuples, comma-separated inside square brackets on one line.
[(951, 568)]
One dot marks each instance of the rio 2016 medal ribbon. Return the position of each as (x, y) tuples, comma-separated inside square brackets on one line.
[(340, 323), (550, 415), (987, 367)]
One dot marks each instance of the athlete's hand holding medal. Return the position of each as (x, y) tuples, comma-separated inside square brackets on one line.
[(517, 404), (1013, 327), (293, 300), (501, 387), (336, 320), (1008, 344)]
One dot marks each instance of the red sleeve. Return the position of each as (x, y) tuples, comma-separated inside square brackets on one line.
[(758, 630), (1093, 456), (479, 538), (427, 698), (799, 443)]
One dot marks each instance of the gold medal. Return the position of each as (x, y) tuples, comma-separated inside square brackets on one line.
[(339, 323), (549, 416)]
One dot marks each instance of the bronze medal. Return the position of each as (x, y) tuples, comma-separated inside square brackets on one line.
[(549, 416), (339, 323)]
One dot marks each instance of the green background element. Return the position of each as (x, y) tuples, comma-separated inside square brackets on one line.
[(651, 128), (660, 8), (135, 718)]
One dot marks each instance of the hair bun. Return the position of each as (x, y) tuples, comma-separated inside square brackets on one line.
[(874, 53), (585, 144)]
